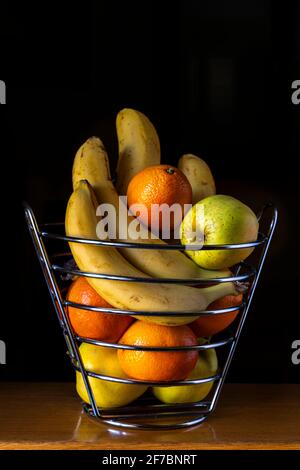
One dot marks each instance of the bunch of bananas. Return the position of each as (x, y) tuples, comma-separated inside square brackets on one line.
[(92, 185)]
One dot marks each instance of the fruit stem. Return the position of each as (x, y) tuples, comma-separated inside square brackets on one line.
[(171, 171), (215, 292), (241, 287)]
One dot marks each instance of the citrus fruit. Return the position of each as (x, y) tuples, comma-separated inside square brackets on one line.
[(211, 324), (154, 365), (162, 185), (96, 325), (107, 394), (206, 366)]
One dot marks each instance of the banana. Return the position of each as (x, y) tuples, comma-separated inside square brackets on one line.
[(199, 175), (139, 146), (81, 222), (91, 163)]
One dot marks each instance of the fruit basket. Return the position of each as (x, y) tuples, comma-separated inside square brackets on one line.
[(145, 412)]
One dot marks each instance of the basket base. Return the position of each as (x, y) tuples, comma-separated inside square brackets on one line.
[(171, 421)]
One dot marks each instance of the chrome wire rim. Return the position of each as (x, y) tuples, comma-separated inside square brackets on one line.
[(262, 238)]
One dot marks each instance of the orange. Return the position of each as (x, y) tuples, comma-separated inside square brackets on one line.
[(96, 325), (210, 325), (159, 184), (157, 366)]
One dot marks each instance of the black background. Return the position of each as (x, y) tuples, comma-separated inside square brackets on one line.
[(214, 77)]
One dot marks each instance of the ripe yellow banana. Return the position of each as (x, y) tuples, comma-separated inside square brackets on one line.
[(81, 222), (139, 146), (199, 175), (91, 163)]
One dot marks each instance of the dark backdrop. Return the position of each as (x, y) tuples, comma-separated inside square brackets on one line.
[(215, 79)]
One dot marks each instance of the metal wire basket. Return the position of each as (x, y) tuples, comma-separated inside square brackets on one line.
[(146, 413)]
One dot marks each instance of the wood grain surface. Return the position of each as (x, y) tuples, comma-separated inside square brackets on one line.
[(49, 416)]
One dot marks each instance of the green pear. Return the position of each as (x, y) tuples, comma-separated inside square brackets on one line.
[(206, 366), (221, 220)]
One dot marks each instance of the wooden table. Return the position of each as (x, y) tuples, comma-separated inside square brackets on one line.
[(49, 416)]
